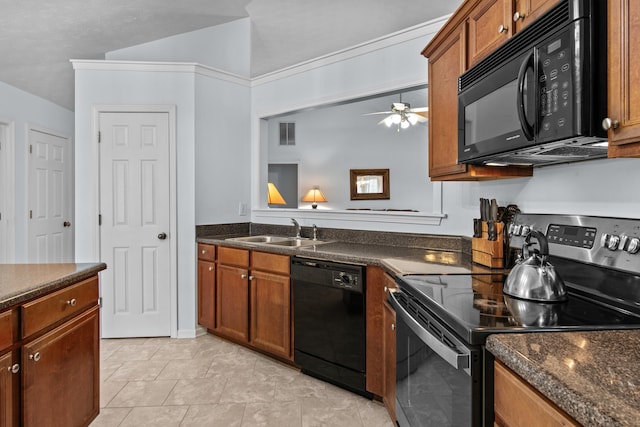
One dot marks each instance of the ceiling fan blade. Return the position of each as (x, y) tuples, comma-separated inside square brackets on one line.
[(420, 110), (419, 117), (377, 112)]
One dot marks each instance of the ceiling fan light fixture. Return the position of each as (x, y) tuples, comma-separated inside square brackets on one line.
[(405, 124), (413, 119), (395, 119), (388, 121)]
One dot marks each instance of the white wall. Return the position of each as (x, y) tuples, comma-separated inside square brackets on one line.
[(24, 110), (226, 47)]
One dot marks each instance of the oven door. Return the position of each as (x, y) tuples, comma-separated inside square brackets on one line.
[(438, 377)]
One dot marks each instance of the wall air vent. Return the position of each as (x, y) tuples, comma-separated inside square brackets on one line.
[(287, 134)]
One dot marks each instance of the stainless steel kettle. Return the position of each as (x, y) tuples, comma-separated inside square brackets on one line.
[(534, 278)]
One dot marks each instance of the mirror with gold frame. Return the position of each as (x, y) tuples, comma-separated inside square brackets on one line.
[(369, 184)]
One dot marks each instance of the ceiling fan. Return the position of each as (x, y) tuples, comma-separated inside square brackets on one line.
[(402, 115)]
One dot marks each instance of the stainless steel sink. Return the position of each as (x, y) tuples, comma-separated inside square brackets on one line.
[(259, 239), (277, 241), (296, 242)]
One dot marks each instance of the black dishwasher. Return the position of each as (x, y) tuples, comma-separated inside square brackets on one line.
[(329, 321)]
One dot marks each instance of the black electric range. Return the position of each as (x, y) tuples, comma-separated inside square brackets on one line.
[(444, 375)]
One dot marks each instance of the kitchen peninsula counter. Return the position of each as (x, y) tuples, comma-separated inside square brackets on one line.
[(592, 376), (23, 282)]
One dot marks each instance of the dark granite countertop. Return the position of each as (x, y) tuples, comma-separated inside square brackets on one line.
[(396, 259), (22, 282), (592, 376)]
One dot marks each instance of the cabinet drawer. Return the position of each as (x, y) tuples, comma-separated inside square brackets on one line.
[(62, 304), (270, 262), (233, 256), (206, 252), (7, 324)]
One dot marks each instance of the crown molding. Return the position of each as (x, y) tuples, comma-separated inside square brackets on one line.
[(153, 66)]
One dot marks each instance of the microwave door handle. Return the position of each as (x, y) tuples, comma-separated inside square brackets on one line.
[(522, 74), (457, 360)]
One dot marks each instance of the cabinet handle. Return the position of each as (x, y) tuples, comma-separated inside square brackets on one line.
[(14, 369), (72, 302), (609, 123), (35, 357), (517, 16), (502, 29), (210, 268)]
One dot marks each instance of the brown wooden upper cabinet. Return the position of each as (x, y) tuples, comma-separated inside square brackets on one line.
[(624, 78), (527, 11), (489, 25)]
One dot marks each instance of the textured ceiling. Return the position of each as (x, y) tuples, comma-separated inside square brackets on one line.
[(38, 38)]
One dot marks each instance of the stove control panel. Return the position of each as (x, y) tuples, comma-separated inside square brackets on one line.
[(608, 242)]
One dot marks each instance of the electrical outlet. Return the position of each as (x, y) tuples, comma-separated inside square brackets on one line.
[(242, 209)]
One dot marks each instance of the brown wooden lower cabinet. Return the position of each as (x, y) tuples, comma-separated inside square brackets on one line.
[(207, 294), (389, 397), (232, 302), (9, 390), (271, 313), (518, 404), (61, 373)]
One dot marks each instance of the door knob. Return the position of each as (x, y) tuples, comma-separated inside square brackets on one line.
[(66, 224), (162, 236), (608, 123)]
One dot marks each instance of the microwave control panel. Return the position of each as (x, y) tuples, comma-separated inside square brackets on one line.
[(555, 87)]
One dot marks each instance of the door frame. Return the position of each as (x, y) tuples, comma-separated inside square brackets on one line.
[(95, 126), (72, 194), (8, 179)]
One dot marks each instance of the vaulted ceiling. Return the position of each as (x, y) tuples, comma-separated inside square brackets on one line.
[(38, 38)]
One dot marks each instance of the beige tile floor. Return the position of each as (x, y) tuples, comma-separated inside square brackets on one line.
[(207, 381)]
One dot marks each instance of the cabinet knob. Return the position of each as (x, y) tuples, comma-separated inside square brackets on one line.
[(608, 123), (517, 16), (14, 369), (243, 276), (251, 277), (393, 326), (35, 357), (502, 29), (72, 302), (210, 268), (386, 289), (204, 251)]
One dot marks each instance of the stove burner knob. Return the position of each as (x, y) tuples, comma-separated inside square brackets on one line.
[(634, 246), (613, 242)]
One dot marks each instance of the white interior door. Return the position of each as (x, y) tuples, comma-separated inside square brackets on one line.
[(50, 239), (134, 233)]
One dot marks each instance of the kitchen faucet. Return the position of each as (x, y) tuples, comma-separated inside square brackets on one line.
[(295, 223)]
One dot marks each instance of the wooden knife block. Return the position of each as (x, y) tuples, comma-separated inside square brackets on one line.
[(486, 252)]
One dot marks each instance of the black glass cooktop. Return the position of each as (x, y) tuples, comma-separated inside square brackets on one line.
[(473, 306)]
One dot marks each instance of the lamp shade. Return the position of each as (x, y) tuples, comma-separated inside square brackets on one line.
[(314, 195), (273, 195)]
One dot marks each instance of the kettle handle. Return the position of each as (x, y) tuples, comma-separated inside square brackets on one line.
[(542, 241)]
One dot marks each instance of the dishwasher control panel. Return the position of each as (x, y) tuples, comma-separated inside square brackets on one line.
[(346, 280)]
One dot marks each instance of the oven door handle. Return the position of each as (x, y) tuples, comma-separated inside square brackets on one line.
[(459, 361)]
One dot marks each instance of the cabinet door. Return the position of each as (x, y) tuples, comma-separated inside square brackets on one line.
[(389, 322), (489, 26), (206, 294), (232, 302), (624, 77), (271, 313), (9, 386), (527, 11), (61, 383), (445, 65)]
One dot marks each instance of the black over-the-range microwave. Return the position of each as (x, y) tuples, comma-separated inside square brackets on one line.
[(541, 97)]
